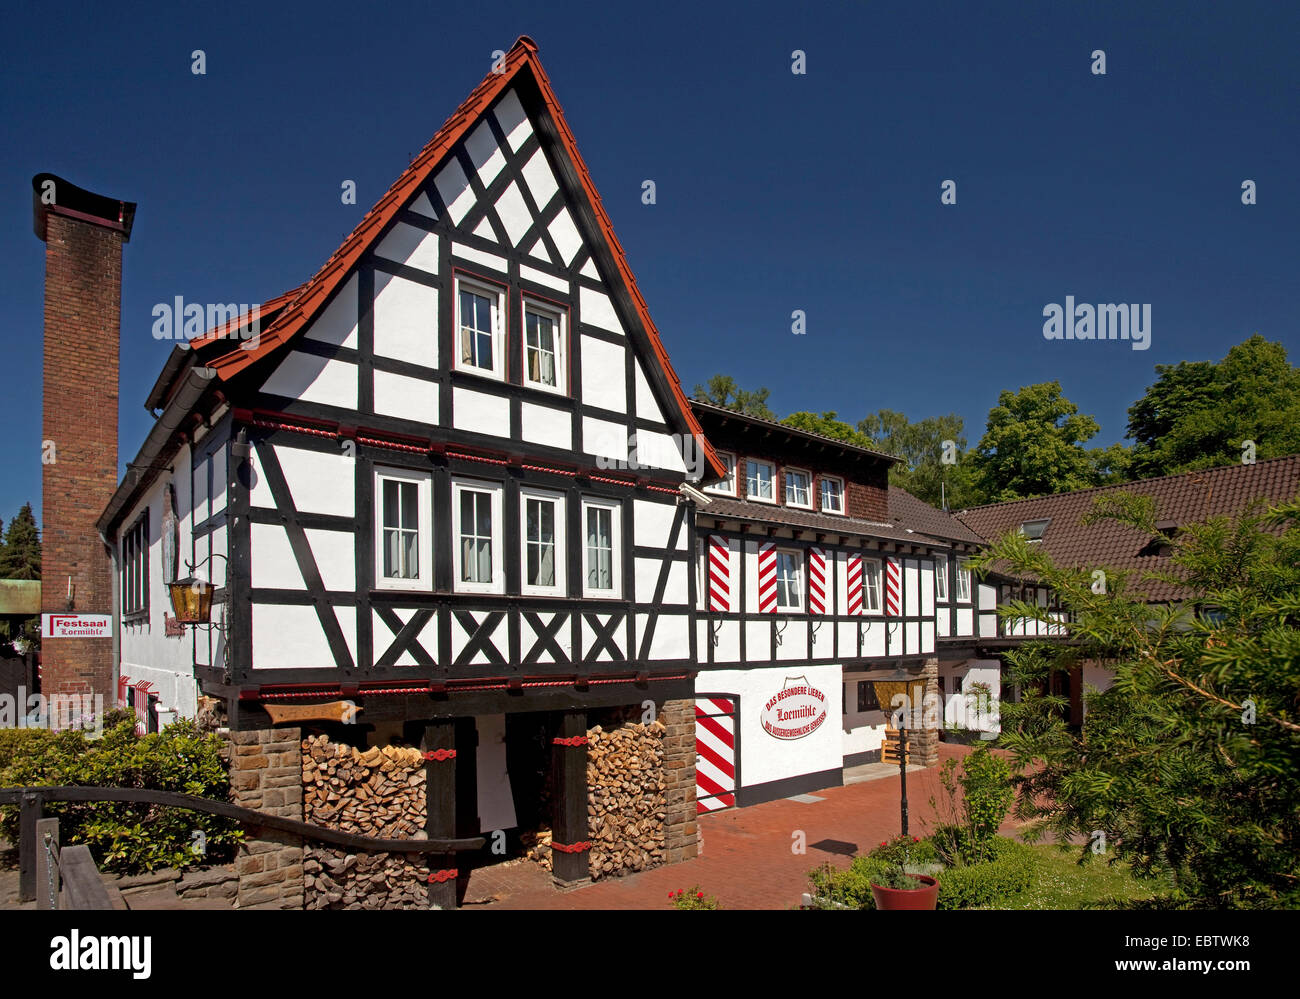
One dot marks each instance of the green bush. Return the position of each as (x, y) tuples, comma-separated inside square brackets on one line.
[(126, 838), (1008, 873)]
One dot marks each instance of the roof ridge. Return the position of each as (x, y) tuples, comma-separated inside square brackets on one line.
[(799, 430), (1125, 485)]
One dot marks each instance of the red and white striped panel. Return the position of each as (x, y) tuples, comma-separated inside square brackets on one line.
[(719, 574), (715, 753), (893, 587), (816, 581), (855, 584), (767, 578)]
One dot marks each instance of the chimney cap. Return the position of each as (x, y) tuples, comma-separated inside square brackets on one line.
[(53, 193)]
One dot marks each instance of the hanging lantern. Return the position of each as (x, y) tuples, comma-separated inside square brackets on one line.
[(192, 600)]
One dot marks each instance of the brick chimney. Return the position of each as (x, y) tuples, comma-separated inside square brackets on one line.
[(83, 235)]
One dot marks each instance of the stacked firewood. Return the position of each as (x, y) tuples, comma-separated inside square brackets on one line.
[(373, 792)]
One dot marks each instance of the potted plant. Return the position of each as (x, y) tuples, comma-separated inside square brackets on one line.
[(894, 888)]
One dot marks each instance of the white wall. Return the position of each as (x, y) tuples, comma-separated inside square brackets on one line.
[(959, 711)]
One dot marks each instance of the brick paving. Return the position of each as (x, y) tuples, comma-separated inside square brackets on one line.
[(748, 861)]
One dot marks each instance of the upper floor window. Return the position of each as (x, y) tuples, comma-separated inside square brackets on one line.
[(480, 328), (542, 529), (963, 582), (476, 557), (135, 569), (545, 356), (727, 485), (601, 563), (760, 480), (404, 552), (871, 585), (798, 488), (832, 494), (789, 580), (941, 577)]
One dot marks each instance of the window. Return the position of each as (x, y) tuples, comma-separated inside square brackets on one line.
[(760, 480), (941, 577), (135, 570), (832, 494), (870, 585), (789, 581), (476, 557), (545, 360), (963, 582), (403, 524), (601, 563), (479, 322), (727, 485), (542, 530), (867, 697), (798, 489), (1033, 530)]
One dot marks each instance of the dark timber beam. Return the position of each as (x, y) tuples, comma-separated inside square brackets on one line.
[(439, 747), (570, 848)]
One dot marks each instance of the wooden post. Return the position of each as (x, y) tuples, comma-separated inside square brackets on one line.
[(570, 849), (47, 870), (29, 813), (439, 747), (902, 769)]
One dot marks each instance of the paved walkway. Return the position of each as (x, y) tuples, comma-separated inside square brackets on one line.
[(748, 860)]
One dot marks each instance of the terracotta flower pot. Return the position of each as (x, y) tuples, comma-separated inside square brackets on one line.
[(925, 897)]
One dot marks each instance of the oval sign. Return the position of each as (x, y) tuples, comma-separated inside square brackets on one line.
[(797, 710)]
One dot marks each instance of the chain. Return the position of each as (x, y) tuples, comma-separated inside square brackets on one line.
[(52, 864)]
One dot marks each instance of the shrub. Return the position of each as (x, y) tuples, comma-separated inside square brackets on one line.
[(965, 831), (1009, 872), (126, 838), (693, 899)]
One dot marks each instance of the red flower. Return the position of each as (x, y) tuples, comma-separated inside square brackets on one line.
[(700, 895), (672, 894)]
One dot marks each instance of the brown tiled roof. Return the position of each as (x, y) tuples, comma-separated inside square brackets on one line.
[(908, 511), (795, 432), (827, 523), (1180, 499)]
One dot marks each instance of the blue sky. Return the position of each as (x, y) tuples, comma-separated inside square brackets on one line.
[(775, 191)]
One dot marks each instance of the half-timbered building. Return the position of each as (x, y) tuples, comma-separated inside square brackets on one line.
[(440, 480)]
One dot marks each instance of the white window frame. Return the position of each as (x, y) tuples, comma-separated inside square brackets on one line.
[(616, 544), (727, 487), (941, 578), (560, 317), (963, 576), (785, 474), (821, 495), (459, 486), (871, 583), (560, 587), (799, 578), (750, 463), (497, 294), (424, 491)]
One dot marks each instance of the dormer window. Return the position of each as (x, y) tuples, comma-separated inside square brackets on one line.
[(832, 494), (798, 489), (1033, 530), (760, 480)]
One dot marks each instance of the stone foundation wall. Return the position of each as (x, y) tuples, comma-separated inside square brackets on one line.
[(681, 840), (266, 774), (923, 743)]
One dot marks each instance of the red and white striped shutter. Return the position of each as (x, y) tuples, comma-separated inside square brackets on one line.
[(715, 753), (767, 578), (893, 587), (816, 581), (719, 574), (855, 584)]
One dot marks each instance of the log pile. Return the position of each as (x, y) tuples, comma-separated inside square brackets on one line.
[(372, 792), (626, 801)]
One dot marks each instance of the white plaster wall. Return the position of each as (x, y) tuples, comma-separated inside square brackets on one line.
[(959, 711)]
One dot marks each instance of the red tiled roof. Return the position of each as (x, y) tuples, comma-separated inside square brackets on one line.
[(908, 511), (723, 508), (1180, 499), (313, 295)]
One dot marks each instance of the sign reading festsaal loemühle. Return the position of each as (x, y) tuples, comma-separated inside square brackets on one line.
[(76, 625)]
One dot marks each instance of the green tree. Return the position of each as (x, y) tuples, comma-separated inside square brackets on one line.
[(1033, 446), (828, 425), (722, 390), (1199, 413), (920, 445), (21, 555), (1188, 765)]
